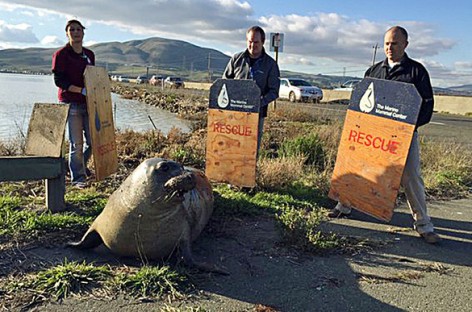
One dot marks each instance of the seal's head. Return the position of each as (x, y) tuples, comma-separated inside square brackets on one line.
[(167, 180)]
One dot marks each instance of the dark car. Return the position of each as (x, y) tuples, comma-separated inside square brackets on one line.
[(173, 82), (142, 79)]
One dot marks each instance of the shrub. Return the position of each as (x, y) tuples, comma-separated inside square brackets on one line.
[(301, 229), (309, 147)]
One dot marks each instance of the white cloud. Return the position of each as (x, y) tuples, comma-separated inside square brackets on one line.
[(310, 39), (27, 13), (329, 35), (294, 60), (89, 43), (17, 33), (463, 65), (52, 41), (442, 75)]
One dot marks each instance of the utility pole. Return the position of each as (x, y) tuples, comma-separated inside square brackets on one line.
[(209, 66), (375, 52), (276, 49)]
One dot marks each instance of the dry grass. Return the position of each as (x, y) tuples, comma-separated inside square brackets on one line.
[(13, 147), (404, 277), (447, 169), (279, 173), (446, 166)]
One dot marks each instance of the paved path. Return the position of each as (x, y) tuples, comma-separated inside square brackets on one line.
[(394, 271), (408, 274)]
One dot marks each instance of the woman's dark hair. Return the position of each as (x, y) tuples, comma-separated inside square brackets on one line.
[(74, 21)]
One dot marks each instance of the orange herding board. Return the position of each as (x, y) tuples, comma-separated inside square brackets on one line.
[(371, 157), (374, 146), (231, 151)]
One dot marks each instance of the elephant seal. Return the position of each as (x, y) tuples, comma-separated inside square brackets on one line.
[(159, 209)]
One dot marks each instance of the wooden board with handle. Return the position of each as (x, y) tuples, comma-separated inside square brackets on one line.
[(374, 146), (99, 107), (233, 120)]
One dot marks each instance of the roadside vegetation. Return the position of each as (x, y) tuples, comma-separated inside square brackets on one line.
[(293, 176)]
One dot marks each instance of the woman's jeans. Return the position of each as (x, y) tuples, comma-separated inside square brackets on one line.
[(79, 151)]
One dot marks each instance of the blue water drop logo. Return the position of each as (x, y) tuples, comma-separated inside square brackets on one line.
[(98, 124)]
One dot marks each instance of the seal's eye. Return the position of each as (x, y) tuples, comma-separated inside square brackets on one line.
[(164, 167)]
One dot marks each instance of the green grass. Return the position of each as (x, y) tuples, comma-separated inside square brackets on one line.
[(310, 147), (150, 281), (298, 219), (65, 279), (89, 202), (301, 229), (17, 219), (71, 277)]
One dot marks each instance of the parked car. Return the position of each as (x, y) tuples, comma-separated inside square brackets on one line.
[(156, 80), (142, 79), (124, 78), (348, 85), (173, 82), (295, 89)]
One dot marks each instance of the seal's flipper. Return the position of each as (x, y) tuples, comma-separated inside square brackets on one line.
[(90, 240)]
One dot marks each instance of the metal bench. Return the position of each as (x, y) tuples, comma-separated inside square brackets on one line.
[(44, 154)]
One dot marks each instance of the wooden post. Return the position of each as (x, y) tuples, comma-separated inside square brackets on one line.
[(56, 190), (276, 49)]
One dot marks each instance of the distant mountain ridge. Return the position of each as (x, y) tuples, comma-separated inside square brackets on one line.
[(162, 55), (153, 52), (463, 88)]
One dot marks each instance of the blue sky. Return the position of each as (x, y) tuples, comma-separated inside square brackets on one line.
[(332, 37)]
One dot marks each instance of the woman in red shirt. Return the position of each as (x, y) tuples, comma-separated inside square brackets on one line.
[(68, 66)]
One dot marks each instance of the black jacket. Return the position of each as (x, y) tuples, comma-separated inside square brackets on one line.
[(413, 72), (265, 73)]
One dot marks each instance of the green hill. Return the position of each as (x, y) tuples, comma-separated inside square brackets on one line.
[(148, 56), (126, 57), (164, 57)]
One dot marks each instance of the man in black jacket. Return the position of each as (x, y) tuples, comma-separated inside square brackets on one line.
[(254, 63), (399, 67)]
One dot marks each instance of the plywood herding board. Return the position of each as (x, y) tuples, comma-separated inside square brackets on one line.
[(46, 130), (371, 157), (232, 147), (99, 106)]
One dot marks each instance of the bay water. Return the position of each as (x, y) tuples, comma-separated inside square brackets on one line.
[(19, 92)]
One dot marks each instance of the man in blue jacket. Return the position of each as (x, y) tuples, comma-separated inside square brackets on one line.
[(254, 63), (399, 67)]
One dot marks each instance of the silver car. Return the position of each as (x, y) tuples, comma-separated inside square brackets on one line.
[(295, 89)]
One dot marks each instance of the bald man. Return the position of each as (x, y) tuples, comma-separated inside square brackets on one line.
[(398, 66)]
